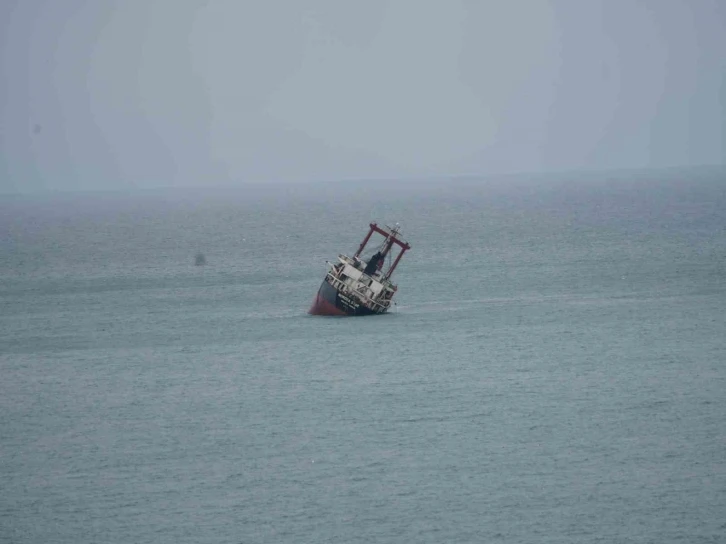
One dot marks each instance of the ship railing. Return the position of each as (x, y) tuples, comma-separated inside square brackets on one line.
[(377, 276), (342, 286)]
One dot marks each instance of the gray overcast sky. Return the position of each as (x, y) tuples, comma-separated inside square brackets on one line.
[(108, 94)]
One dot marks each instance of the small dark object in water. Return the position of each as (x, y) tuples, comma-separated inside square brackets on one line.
[(200, 260)]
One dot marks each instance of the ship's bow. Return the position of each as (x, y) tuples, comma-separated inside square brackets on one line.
[(325, 302)]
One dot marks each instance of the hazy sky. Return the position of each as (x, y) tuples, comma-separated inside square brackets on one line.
[(103, 93)]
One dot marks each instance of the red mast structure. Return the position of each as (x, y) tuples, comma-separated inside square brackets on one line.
[(391, 240)]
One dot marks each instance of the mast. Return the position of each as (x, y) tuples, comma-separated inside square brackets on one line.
[(391, 239), (395, 263), (373, 228)]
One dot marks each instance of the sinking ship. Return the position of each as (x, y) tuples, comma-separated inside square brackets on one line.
[(353, 287)]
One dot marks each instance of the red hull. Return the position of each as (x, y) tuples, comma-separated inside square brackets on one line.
[(323, 307)]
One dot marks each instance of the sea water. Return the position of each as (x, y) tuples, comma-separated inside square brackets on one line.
[(554, 370)]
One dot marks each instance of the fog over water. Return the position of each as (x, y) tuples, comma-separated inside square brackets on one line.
[(112, 94), (174, 176)]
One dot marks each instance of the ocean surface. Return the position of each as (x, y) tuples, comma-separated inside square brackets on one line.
[(554, 370)]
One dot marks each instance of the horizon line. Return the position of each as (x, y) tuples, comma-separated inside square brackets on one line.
[(432, 178)]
